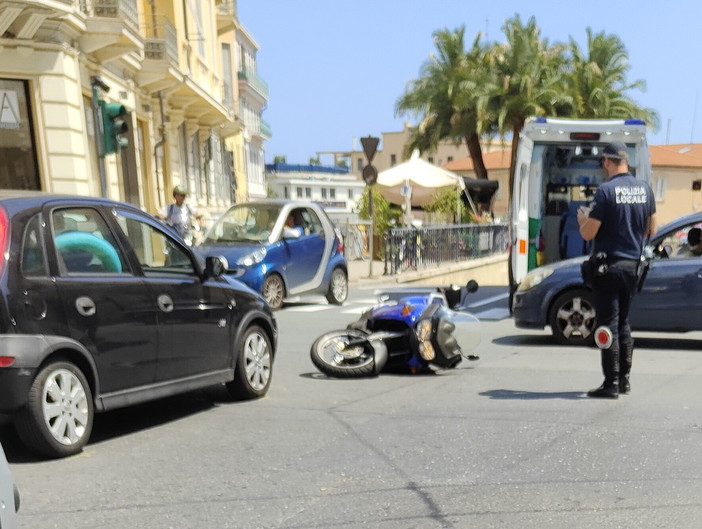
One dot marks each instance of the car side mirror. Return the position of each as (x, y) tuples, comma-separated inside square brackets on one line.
[(215, 265), (292, 233)]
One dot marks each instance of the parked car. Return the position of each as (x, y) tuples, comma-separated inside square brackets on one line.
[(670, 300), (102, 307), (9, 495), (281, 248)]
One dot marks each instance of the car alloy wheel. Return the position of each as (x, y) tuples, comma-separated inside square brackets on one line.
[(274, 291), (58, 418), (572, 317), (338, 287), (254, 365)]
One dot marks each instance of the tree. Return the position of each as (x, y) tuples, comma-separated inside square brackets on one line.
[(279, 159), (450, 97), (597, 82), (530, 80), (383, 213), (446, 202)]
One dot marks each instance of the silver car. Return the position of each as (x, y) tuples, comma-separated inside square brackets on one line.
[(9, 495)]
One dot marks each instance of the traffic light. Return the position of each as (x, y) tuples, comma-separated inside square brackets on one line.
[(114, 126)]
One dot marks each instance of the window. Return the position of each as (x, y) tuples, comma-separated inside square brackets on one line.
[(84, 243), (157, 253), (324, 193), (286, 192), (449, 159), (393, 159), (431, 159), (308, 192), (350, 194), (33, 255), (332, 193), (660, 189), (359, 164), (299, 192)]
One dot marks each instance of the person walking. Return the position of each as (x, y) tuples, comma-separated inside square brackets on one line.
[(622, 217), (182, 217)]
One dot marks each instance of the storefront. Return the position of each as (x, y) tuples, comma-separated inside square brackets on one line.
[(18, 156)]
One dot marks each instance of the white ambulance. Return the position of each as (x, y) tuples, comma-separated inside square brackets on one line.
[(557, 171)]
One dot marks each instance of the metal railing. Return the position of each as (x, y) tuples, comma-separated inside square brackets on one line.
[(406, 249), (123, 9)]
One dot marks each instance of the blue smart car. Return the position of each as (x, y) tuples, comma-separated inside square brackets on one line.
[(281, 248)]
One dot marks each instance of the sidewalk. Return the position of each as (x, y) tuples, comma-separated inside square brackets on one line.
[(486, 270)]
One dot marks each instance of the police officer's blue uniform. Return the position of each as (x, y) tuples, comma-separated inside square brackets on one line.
[(624, 206)]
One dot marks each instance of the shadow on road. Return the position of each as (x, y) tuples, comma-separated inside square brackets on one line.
[(541, 340), (125, 421), (515, 394)]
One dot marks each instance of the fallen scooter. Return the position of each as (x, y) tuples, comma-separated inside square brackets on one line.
[(408, 331)]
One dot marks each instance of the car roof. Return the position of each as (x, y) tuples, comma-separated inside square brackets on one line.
[(680, 221)]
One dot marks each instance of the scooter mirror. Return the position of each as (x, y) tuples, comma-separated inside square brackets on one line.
[(471, 286)]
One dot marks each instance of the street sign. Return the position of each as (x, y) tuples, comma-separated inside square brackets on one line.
[(370, 145), (370, 175)]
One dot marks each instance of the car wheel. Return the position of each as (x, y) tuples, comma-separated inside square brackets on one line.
[(254, 365), (572, 317), (274, 291), (338, 287), (58, 418)]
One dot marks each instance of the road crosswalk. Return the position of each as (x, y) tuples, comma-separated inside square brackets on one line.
[(357, 306)]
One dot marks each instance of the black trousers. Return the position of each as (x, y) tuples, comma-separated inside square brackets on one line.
[(613, 294)]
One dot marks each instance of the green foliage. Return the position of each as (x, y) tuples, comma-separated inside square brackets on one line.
[(472, 95), (280, 159), (383, 212), (315, 161)]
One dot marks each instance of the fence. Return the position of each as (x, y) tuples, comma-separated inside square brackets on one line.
[(417, 248)]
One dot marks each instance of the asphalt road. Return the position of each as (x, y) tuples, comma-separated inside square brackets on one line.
[(508, 441)]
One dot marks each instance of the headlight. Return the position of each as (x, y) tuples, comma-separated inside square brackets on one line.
[(534, 278), (252, 258), (423, 330)]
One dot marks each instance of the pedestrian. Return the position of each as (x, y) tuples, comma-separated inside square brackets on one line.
[(620, 220), (182, 217)]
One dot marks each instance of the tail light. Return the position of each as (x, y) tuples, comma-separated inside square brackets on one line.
[(4, 229), (339, 241), (6, 361)]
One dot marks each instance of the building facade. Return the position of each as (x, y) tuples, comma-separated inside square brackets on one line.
[(334, 188), (172, 64)]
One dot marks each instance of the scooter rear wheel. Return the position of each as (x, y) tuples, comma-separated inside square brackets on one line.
[(333, 356)]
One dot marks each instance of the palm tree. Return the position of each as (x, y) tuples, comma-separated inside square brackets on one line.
[(597, 82), (531, 77), (450, 97)]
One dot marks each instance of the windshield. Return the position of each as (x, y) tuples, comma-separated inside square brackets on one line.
[(244, 223)]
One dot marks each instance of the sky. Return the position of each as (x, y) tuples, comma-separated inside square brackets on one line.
[(335, 68)]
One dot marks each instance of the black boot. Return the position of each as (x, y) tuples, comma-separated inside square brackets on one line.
[(610, 366), (626, 355)]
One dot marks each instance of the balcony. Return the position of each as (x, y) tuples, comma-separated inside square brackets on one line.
[(226, 16), (22, 20), (266, 131), (250, 81), (161, 61), (111, 29)]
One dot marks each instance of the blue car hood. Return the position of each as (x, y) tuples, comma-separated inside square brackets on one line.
[(232, 251)]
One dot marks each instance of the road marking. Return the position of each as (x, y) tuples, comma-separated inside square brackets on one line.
[(487, 301)]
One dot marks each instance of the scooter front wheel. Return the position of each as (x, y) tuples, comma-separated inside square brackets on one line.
[(345, 354)]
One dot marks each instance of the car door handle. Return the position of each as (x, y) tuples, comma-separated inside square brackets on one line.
[(165, 303), (85, 306)]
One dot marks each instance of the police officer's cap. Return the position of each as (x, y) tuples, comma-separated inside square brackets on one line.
[(178, 190), (616, 150)]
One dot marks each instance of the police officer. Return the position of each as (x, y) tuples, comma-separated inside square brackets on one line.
[(622, 217)]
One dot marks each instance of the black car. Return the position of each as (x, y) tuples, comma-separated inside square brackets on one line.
[(669, 301), (102, 307)]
